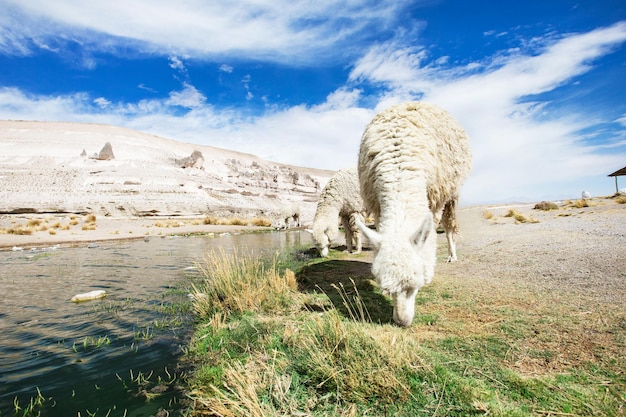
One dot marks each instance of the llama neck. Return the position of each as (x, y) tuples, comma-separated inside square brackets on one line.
[(326, 211), (403, 211)]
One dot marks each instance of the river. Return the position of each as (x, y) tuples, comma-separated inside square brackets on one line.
[(115, 356)]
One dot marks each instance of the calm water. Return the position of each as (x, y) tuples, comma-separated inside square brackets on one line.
[(103, 357)]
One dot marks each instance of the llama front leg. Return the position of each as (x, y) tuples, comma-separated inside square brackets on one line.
[(347, 230), (356, 234), (451, 246), (451, 227)]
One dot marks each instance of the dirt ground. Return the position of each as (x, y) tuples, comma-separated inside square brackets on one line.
[(560, 278)]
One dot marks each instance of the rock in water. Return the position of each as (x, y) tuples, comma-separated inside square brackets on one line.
[(92, 295)]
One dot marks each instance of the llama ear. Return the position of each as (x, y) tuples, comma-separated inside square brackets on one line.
[(372, 235), (421, 234)]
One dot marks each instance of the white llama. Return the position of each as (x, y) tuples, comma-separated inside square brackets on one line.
[(412, 160), (341, 199), (290, 212)]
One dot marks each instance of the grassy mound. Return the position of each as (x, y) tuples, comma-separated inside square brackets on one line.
[(319, 343)]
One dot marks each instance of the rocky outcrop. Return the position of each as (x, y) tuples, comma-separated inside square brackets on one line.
[(195, 160), (106, 154)]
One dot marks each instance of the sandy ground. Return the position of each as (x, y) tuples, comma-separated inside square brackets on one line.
[(569, 250), (105, 229)]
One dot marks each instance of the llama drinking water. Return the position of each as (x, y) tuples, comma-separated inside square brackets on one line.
[(341, 199)]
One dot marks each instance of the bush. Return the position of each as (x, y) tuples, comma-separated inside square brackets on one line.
[(546, 206)]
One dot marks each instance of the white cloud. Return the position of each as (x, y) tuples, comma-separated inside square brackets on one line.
[(277, 30), (146, 88), (188, 97), (102, 102), (521, 148), (176, 63), (226, 68)]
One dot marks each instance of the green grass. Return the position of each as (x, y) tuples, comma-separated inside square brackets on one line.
[(322, 344)]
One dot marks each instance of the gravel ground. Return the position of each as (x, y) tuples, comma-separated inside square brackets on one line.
[(575, 255)]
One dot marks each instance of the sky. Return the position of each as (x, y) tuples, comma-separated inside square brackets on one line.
[(540, 86)]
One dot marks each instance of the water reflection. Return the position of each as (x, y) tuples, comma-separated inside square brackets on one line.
[(82, 357)]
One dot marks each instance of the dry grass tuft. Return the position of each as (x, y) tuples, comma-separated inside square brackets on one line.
[(487, 214), (261, 222), (34, 222), (237, 221), (90, 222), (18, 230), (212, 220), (577, 203), (242, 282), (520, 218)]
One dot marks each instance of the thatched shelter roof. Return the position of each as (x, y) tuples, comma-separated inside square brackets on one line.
[(618, 173)]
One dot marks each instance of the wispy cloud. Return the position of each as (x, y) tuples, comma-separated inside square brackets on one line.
[(519, 142), (275, 30)]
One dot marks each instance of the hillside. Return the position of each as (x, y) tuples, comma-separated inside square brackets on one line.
[(52, 167)]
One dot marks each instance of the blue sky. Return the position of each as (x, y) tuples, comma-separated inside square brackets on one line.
[(540, 86)]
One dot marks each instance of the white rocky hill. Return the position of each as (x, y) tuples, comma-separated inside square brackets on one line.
[(52, 167)]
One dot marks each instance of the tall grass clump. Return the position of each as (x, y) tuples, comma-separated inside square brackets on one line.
[(519, 217), (261, 222), (242, 282), (582, 203), (90, 222)]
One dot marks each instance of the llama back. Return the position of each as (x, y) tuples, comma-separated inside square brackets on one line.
[(409, 147)]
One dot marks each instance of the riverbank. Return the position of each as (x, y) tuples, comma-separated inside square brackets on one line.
[(26, 231), (529, 322)]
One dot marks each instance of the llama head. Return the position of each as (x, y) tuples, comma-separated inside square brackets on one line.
[(400, 267), (322, 237)]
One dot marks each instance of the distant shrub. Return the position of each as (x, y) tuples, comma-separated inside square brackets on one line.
[(546, 206), (261, 222), (90, 222), (487, 214), (34, 222), (209, 220), (19, 230), (237, 221)]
